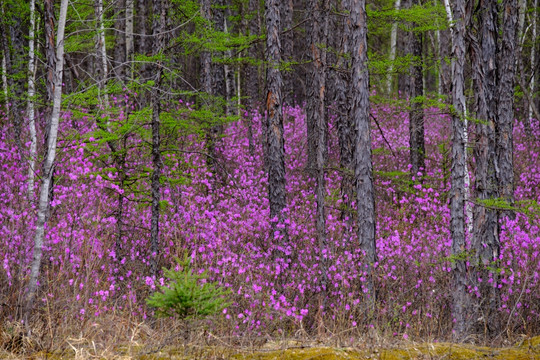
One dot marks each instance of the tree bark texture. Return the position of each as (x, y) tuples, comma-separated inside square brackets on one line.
[(340, 78), (252, 76), (158, 26), (416, 115), (31, 114), (461, 300), (119, 51), (359, 112), (277, 195), (286, 13), (315, 81), (50, 154), (319, 62), (505, 101), (485, 240), (393, 49)]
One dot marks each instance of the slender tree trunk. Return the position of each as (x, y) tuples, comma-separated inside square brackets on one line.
[(461, 300), (533, 60), (445, 40), (313, 82), (252, 77), (5, 86), (30, 106), (319, 63), (158, 26), (277, 195), (359, 112), (393, 48), (101, 52), (130, 48), (48, 166), (505, 98), (416, 115), (119, 53), (341, 100), (286, 13), (6, 62), (229, 74), (485, 240)]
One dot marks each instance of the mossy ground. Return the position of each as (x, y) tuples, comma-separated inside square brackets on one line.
[(528, 349)]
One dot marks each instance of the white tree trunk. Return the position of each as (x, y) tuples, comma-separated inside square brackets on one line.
[(31, 93), (393, 47), (49, 161), (533, 59)]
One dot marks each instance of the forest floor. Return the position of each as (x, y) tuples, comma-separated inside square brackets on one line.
[(527, 348)]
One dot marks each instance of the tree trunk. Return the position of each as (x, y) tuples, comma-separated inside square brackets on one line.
[(120, 40), (359, 113), (533, 60), (485, 240), (340, 87), (252, 77), (101, 52), (129, 38), (505, 111), (286, 13), (277, 195), (461, 300), (30, 106), (49, 163), (313, 83), (158, 26), (416, 115), (319, 72), (445, 40), (393, 48)]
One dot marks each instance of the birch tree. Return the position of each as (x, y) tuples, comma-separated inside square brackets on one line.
[(30, 106), (49, 162)]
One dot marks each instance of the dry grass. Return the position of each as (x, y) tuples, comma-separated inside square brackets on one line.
[(117, 337)]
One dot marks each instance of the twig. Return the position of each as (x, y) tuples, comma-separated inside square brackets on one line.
[(379, 126)]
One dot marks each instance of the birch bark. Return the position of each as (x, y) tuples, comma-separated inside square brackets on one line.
[(48, 166)]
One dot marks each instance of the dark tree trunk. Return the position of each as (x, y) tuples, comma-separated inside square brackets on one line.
[(485, 240), (505, 111), (461, 300), (319, 62), (445, 68), (416, 115), (277, 195), (359, 113), (17, 72), (345, 126), (158, 26), (403, 48), (119, 52), (286, 13), (313, 82), (252, 72)]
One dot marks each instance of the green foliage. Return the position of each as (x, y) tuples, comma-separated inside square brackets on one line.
[(187, 294)]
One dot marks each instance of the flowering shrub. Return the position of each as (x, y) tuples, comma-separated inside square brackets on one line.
[(96, 256)]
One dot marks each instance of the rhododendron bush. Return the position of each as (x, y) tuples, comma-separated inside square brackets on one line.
[(221, 219)]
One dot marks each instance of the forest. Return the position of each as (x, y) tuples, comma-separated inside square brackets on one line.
[(211, 176)]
